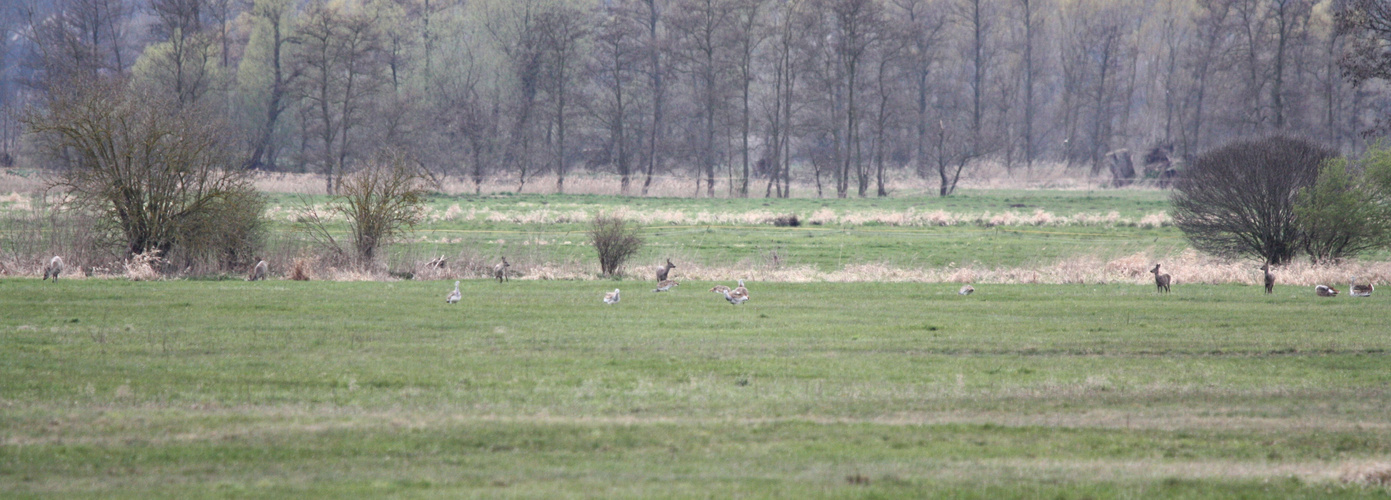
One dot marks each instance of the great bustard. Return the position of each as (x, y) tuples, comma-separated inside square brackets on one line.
[(666, 285), (454, 296), (1326, 291), (54, 267), (611, 297), (1361, 290), (738, 295), (966, 290)]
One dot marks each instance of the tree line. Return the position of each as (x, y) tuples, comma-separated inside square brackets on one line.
[(736, 96)]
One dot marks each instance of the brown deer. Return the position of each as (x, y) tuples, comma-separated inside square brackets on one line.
[(258, 272), (54, 267), (1269, 278), (500, 271), (663, 271), (1161, 281)]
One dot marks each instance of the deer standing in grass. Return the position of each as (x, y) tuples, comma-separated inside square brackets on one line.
[(1269, 278), (1161, 281), (258, 272), (500, 271), (53, 268), (663, 271)]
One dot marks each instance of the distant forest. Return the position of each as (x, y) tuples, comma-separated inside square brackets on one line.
[(741, 97)]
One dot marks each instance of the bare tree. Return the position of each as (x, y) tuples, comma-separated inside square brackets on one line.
[(339, 52), (273, 18), (562, 29), (655, 47), (1239, 199), (517, 34), (927, 25), (164, 174), (703, 29), (184, 63), (381, 201), (617, 56)]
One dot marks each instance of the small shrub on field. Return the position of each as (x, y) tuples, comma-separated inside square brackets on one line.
[(615, 240)]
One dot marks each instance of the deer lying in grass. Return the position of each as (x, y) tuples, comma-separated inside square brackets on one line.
[(1161, 281), (54, 267), (1269, 278), (500, 271), (663, 271), (258, 272)]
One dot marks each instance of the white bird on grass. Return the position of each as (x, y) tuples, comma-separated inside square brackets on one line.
[(454, 296), (1361, 290), (966, 290), (611, 297), (738, 295)]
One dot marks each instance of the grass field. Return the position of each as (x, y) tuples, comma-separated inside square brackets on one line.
[(986, 229), (186, 389)]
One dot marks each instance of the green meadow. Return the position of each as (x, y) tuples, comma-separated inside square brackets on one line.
[(280, 389), (989, 229)]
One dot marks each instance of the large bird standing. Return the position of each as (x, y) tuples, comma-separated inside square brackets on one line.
[(454, 296), (1361, 290), (53, 268), (738, 295), (611, 297)]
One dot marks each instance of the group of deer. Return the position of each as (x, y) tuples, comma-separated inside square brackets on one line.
[(1162, 282)]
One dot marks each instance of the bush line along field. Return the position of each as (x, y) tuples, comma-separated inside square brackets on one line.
[(184, 389)]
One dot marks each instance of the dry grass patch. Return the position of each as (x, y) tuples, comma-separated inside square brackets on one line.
[(1370, 474)]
